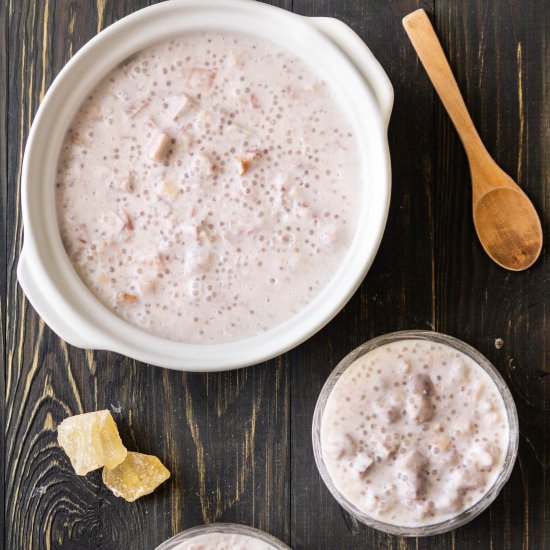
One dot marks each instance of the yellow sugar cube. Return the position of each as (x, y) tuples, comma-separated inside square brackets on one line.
[(91, 441), (137, 476)]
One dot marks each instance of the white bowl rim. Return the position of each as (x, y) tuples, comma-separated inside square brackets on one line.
[(57, 292)]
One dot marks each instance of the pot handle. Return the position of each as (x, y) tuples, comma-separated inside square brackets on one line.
[(363, 59), (57, 316)]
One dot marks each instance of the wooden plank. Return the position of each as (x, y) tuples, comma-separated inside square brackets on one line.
[(497, 51), (397, 292), (3, 243), (223, 436)]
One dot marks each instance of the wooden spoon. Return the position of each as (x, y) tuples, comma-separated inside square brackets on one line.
[(506, 221)]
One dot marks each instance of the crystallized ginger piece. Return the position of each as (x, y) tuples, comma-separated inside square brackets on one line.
[(137, 476), (91, 441)]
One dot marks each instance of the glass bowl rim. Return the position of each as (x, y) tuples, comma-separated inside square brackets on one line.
[(229, 528)]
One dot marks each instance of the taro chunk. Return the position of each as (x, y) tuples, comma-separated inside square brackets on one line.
[(441, 445), (370, 501), (389, 407), (159, 146), (137, 476), (419, 408), (421, 384), (203, 118), (91, 441), (185, 141), (361, 463), (201, 79), (414, 462), (122, 183), (329, 234), (179, 104), (197, 261), (147, 286), (169, 190), (133, 108), (482, 457), (203, 165), (254, 101), (423, 510), (235, 59), (384, 449), (340, 445), (450, 499), (459, 371), (414, 486), (412, 479)]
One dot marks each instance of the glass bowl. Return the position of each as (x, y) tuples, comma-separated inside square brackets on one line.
[(511, 452), (226, 528)]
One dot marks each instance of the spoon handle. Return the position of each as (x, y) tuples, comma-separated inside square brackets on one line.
[(424, 40)]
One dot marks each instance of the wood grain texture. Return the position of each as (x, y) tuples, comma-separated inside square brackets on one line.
[(238, 444), (482, 40), (3, 241)]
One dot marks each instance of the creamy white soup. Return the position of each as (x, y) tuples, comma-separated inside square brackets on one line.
[(209, 187)]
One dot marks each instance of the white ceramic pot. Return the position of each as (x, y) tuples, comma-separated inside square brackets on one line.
[(45, 273)]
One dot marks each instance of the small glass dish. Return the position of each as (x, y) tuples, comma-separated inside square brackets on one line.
[(462, 517), (224, 528)]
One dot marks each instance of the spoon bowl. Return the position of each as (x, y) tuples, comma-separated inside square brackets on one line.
[(509, 228)]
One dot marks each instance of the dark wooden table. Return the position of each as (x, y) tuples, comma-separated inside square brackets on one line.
[(238, 443)]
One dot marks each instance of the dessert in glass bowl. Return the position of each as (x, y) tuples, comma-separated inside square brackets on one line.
[(415, 433)]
